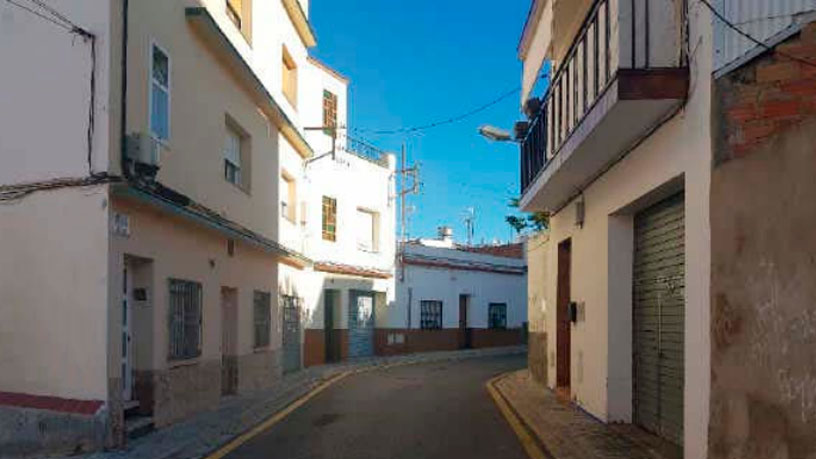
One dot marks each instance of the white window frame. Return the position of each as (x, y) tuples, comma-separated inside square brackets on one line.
[(375, 230), (230, 130), (288, 197), (150, 82)]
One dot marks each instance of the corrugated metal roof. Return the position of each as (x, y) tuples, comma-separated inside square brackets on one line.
[(762, 19)]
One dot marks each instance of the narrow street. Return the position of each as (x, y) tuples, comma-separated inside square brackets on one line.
[(435, 410)]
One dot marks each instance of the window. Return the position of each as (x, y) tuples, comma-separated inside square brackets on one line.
[(329, 219), (497, 315), (238, 11), (329, 112), (289, 78), (367, 224), (430, 315), (288, 197), (232, 156), (263, 318), (185, 319), (159, 95)]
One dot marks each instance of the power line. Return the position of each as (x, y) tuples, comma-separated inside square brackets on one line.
[(65, 26), (451, 120), (750, 37)]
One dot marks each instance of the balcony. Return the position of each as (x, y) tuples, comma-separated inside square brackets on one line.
[(622, 75)]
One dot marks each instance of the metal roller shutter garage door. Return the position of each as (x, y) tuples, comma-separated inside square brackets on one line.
[(659, 317)]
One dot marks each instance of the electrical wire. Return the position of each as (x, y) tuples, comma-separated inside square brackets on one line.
[(451, 120), (63, 25), (63, 22), (750, 37)]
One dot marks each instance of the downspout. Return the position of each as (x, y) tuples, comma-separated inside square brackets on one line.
[(123, 115)]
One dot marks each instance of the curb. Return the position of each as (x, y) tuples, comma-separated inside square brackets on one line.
[(532, 445), (274, 419)]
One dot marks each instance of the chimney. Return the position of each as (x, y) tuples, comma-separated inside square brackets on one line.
[(445, 234)]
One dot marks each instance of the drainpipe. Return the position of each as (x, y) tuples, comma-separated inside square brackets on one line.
[(123, 115)]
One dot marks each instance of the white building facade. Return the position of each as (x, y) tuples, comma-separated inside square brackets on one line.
[(451, 297)]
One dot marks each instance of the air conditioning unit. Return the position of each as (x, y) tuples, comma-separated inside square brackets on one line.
[(142, 155)]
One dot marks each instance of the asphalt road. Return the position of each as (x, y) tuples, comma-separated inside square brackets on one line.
[(436, 410)]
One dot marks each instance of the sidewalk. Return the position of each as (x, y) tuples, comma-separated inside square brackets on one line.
[(205, 432), (567, 433)]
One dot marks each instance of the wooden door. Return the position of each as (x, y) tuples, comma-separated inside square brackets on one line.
[(464, 332), (563, 325), (229, 341)]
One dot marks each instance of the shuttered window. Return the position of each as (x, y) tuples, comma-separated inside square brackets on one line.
[(262, 318), (185, 319), (430, 314), (290, 78), (235, 11)]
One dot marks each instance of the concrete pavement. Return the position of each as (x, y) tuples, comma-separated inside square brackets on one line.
[(431, 410)]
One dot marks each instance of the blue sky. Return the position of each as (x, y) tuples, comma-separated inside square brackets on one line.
[(414, 62)]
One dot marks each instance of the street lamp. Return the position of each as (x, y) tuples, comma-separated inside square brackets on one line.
[(496, 134)]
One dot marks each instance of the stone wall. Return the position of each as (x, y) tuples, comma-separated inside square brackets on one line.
[(259, 370), (185, 390), (763, 254)]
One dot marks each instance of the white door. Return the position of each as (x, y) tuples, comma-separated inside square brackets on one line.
[(127, 304)]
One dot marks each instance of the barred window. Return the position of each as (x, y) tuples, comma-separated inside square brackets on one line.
[(497, 315), (185, 319), (262, 318), (430, 314)]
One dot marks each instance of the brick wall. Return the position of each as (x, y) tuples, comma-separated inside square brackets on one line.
[(763, 258), (765, 97)]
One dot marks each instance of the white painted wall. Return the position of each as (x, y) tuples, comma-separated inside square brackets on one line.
[(45, 92), (446, 285), (602, 259)]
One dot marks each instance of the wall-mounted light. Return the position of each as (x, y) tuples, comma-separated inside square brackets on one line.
[(580, 211)]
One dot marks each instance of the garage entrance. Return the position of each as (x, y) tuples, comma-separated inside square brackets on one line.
[(659, 318)]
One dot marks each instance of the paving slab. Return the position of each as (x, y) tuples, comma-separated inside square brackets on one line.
[(566, 432)]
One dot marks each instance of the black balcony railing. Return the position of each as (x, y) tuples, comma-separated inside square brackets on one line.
[(365, 150), (602, 45)]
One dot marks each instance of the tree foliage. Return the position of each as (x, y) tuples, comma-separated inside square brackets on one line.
[(533, 222)]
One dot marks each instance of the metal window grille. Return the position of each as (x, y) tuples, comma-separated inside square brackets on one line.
[(430, 314), (185, 319), (262, 318), (329, 219), (497, 315)]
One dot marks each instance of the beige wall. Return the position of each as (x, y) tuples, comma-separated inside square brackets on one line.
[(538, 249), (679, 152), (203, 95), (53, 297), (182, 250)]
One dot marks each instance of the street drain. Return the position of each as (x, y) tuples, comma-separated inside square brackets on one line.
[(326, 419)]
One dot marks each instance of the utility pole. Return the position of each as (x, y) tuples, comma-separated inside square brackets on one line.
[(404, 173)]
